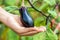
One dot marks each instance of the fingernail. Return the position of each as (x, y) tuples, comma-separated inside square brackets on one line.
[(42, 29)]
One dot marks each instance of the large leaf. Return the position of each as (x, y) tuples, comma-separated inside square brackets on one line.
[(50, 2), (39, 21), (2, 28), (53, 13), (1, 1), (12, 35), (11, 2), (12, 9), (48, 35)]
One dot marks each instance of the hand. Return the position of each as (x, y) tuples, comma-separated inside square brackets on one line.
[(14, 22), (27, 31)]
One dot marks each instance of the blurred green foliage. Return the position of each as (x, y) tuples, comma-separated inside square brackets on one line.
[(12, 6)]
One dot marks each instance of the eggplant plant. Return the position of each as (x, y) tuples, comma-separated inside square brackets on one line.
[(45, 7), (26, 19)]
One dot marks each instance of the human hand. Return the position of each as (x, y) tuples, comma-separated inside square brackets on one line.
[(28, 31), (14, 22)]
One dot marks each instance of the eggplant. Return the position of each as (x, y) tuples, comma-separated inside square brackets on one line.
[(26, 19)]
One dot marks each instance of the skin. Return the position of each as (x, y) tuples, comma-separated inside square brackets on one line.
[(13, 22)]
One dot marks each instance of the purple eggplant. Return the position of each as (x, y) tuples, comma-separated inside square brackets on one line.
[(26, 19)]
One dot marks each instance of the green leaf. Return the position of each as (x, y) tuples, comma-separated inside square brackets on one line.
[(48, 35), (39, 21), (53, 13), (2, 28), (12, 9), (10, 2), (50, 2), (58, 19), (1, 1), (44, 6), (40, 36), (26, 38), (12, 35)]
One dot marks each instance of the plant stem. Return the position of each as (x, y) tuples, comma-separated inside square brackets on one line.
[(23, 3)]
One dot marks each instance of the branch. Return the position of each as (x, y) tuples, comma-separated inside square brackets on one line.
[(36, 9)]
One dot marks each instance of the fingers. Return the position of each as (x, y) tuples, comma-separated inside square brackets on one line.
[(33, 31), (25, 30), (30, 33), (42, 28)]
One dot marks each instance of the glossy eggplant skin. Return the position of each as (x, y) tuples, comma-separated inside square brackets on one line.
[(26, 19)]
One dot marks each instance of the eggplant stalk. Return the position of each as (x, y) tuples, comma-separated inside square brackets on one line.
[(26, 19)]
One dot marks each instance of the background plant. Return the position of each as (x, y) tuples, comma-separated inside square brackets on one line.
[(12, 5)]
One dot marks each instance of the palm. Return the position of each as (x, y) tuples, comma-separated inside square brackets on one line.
[(28, 31), (17, 18)]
